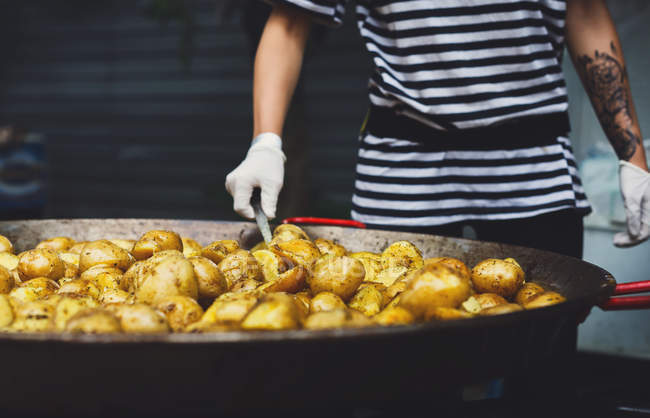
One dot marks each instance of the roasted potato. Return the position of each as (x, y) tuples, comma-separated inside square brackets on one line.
[(299, 251), (288, 232), (76, 249), (240, 265), (291, 281), (544, 299), (138, 317), (6, 312), (451, 262), (7, 281), (230, 308), (125, 244), (71, 270), (155, 241), (211, 280), (326, 301), (40, 263), (8, 260), (218, 250), (80, 287), (391, 275), (338, 318), (201, 327), (435, 285), (106, 278), (93, 321), (68, 306), (104, 252), (274, 311), (339, 275), (368, 300), (527, 291), (497, 276), (394, 315), (477, 303), (441, 313), (33, 289), (271, 264), (58, 244), (245, 285), (371, 264), (34, 316), (5, 245), (169, 276), (395, 289), (303, 303), (181, 311), (191, 248), (110, 295), (326, 246), (402, 254), (501, 309)]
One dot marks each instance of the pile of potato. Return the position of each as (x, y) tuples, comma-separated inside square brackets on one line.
[(162, 283)]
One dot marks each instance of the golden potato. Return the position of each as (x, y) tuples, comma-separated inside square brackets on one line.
[(339, 275), (8, 260), (544, 299), (291, 281), (394, 315), (191, 248), (395, 289), (245, 285), (478, 302), (68, 306), (211, 280), (7, 281), (58, 244), (303, 303), (76, 249), (111, 280), (218, 250), (104, 252), (435, 285), (299, 251), (275, 311), (326, 301), (271, 264), (259, 246), (170, 276), (110, 295), (6, 312), (181, 311), (501, 309), (527, 291), (288, 232), (33, 289), (92, 273), (402, 254), (326, 246), (371, 264), (451, 262), (125, 244), (230, 307), (391, 275), (155, 241), (240, 265), (497, 276), (367, 300), (70, 258), (441, 313), (139, 318), (5, 245), (40, 263), (34, 316), (80, 287), (201, 327), (93, 321), (71, 270), (133, 276), (338, 318)]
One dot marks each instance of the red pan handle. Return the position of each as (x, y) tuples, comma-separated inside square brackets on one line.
[(324, 221), (629, 303)]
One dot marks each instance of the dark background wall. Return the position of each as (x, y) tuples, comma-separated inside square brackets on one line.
[(132, 131)]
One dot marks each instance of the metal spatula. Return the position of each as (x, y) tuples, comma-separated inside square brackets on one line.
[(260, 217)]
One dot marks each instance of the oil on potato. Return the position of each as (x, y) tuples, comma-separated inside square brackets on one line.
[(152, 242), (497, 276), (339, 275), (42, 262), (104, 252)]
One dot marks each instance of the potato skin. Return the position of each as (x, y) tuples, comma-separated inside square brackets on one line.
[(275, 311), (497, 276), (155, 241), (125, 244), (527, 291), (445, 314), (501, 309), (5, 245), (58, 244), (371, 264), (181, 311), (435, 285), (8, 260), (544, 299), (34, 289), (451, 262), (115, 296), (230, 308), (35, 316), (7, 281), (326, 246), (191, 248), (394, 315), (6, 312), (240, 265), (80, 287), (104, 252), (337, 318), (139, 318), (68, 306), (93, 321), (299, 251), (367, 300), (218, 250), (326, 301), (402, 254), (290, 281), (40, 263), (339, 275), (211, 280), (172, 275), (288, 232)]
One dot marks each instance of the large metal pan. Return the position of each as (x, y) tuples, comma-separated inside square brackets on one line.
[(247, 372)]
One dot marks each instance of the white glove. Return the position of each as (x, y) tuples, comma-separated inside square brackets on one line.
[(635, 188), (263, 167)]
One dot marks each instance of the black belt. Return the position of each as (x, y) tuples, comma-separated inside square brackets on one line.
[(523, 132)]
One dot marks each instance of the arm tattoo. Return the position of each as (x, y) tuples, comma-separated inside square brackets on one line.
[(606, 82)]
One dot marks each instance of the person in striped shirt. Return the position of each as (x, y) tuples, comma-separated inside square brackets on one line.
[(468, 119)]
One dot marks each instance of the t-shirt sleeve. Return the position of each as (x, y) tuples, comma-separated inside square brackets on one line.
[(327, 12)]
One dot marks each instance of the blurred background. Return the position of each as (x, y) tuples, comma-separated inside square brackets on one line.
[(140, 109)]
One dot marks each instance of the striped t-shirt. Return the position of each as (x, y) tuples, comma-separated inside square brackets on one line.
[(455, 67)]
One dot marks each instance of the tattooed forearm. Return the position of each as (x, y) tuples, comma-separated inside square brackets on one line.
[(606, 82)]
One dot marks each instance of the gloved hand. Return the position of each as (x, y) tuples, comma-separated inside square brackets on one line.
[(635, 188), (263, 167)]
